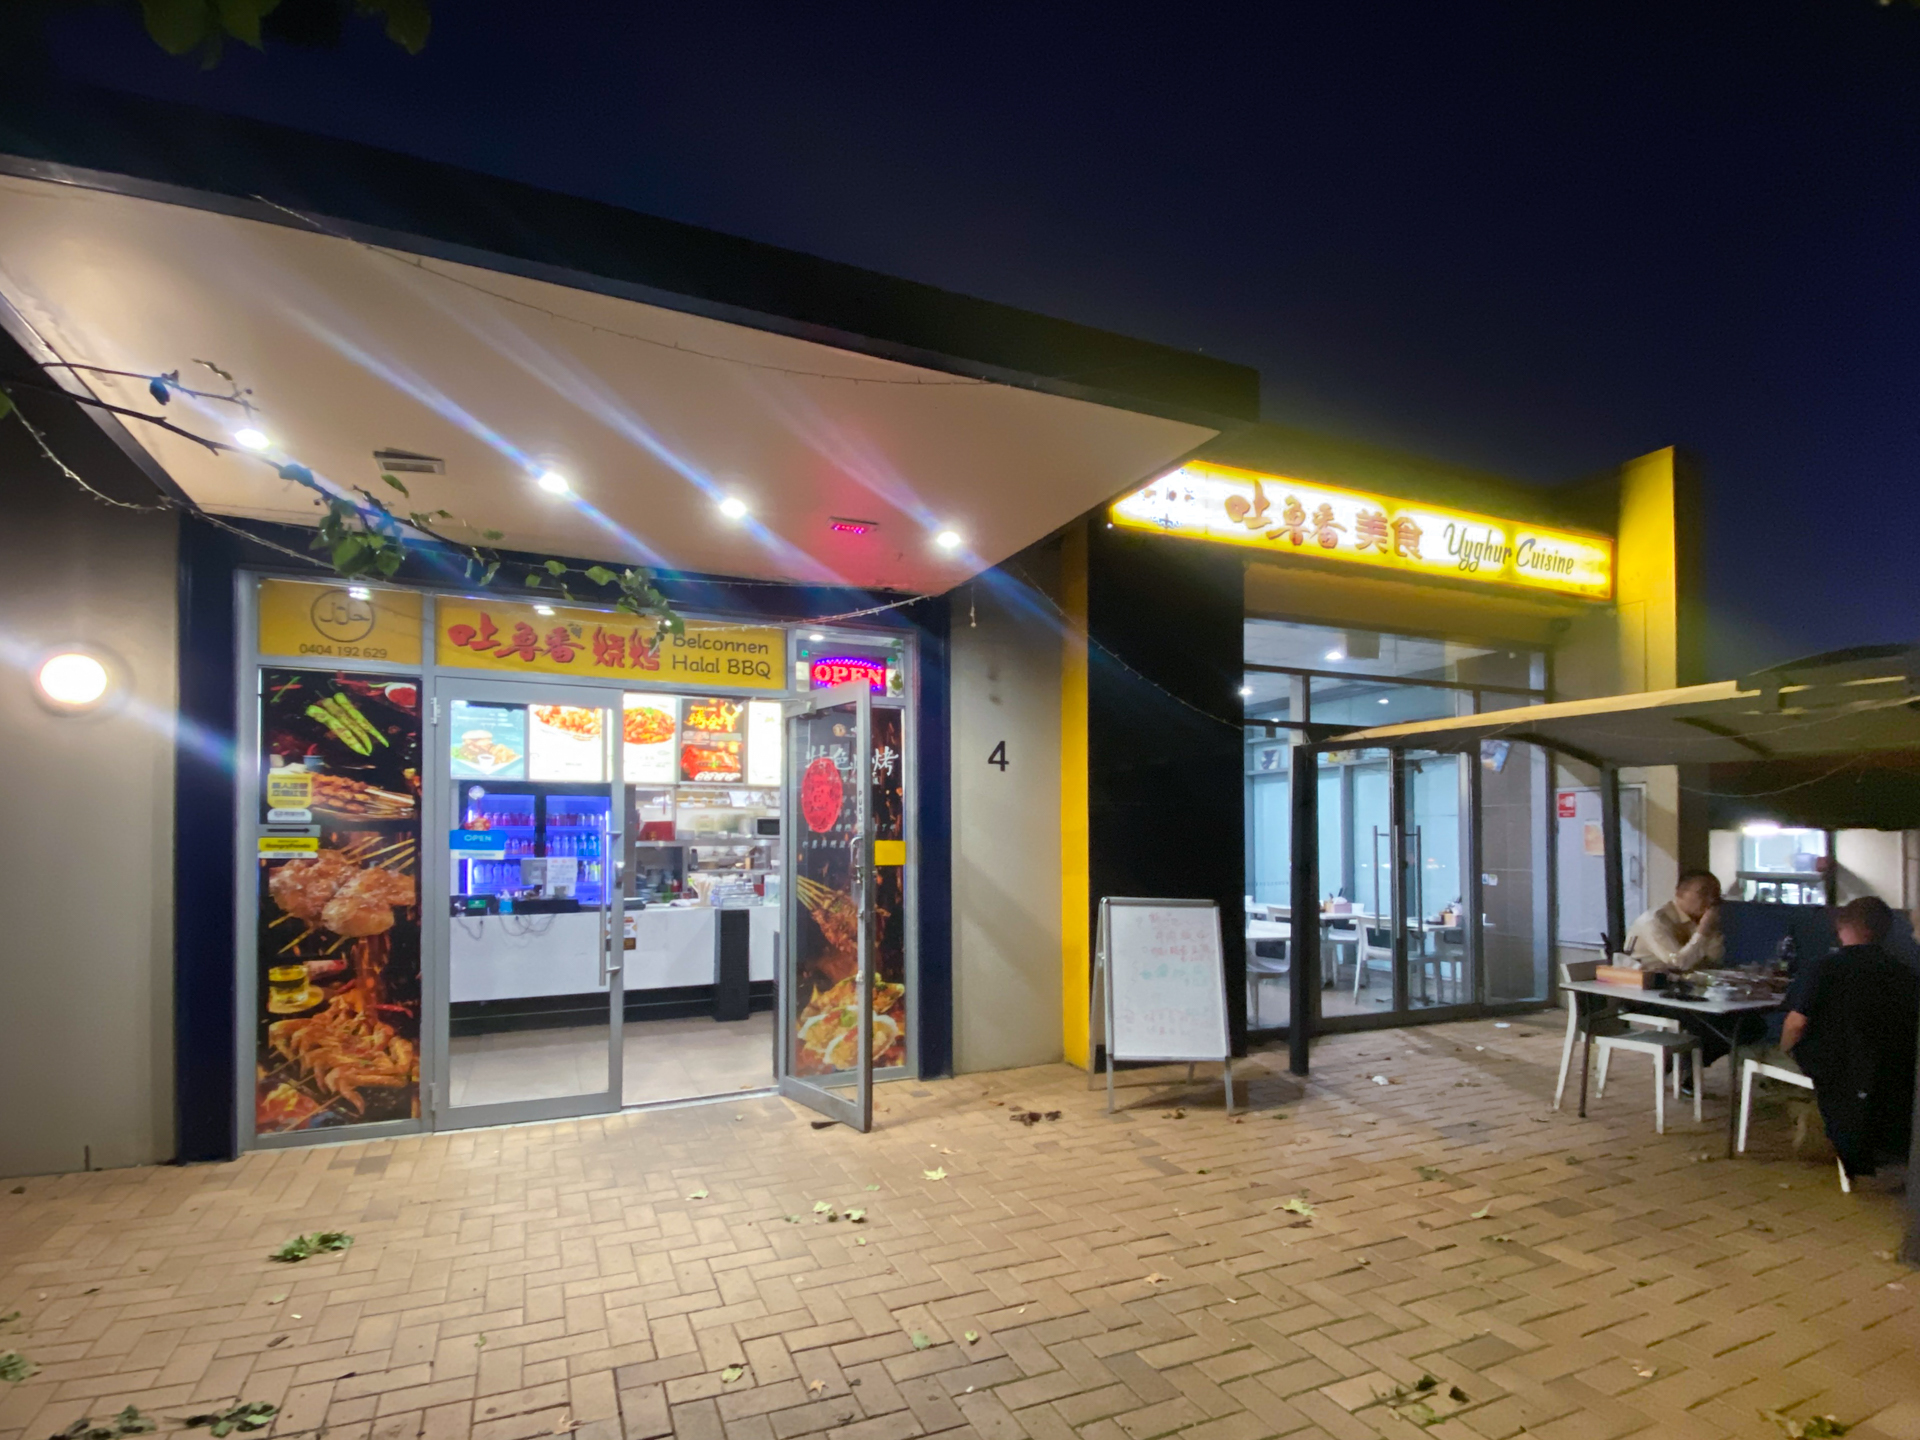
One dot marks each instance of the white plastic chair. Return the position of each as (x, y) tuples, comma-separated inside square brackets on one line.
[(1376, 953), (1751, 1070), (1656, 1035)]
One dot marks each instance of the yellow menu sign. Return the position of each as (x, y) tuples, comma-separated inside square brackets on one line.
[(1283, 516), (499, 636), (331, 621)]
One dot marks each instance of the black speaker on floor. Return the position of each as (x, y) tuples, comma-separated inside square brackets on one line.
[(732, 998)]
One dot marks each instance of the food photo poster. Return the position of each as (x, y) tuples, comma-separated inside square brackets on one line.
[(338, 1016)]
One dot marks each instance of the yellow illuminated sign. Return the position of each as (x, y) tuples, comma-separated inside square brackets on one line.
[(300, 618), (1282, 516), (521, 639)]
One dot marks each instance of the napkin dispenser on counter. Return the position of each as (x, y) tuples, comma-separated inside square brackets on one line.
[(1635, 979)]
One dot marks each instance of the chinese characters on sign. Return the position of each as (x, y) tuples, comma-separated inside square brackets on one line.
[(1289, 517), (484, 635)]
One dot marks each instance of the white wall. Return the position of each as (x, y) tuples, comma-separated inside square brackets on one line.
[(86, 953), (1871, 862), (1006, 658)]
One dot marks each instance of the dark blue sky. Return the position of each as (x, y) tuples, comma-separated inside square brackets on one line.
[(1532, 238)]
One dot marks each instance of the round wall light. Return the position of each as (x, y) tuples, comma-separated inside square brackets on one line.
[(72, 680)]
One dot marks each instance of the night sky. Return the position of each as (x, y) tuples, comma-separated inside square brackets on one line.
[(1531, 238)]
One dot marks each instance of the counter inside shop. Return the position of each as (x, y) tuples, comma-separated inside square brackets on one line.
[(522, 956)]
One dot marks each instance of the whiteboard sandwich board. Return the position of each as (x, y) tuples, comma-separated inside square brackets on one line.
[(1161, 974)]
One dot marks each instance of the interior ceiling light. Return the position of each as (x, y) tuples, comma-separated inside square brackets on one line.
[(734, 508), (1383, 699), (543, 609), (553, 482), (72, 680), (1246, 689), (847, 525), (948, 540), (1335, 655), (251, 438), (816, 636)]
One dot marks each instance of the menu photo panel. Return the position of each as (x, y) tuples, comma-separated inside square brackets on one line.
[(337, 945)]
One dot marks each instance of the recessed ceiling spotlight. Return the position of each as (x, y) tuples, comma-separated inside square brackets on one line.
[(1335, 655), (252, 439), (734, 508), (553, 482), (816, 636), (948, 539), (1383, 699), (543, 609)]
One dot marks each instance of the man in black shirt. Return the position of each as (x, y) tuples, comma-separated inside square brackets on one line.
[(1851, 1021)]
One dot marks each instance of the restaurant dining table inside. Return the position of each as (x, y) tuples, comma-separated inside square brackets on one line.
[(1753, 996)]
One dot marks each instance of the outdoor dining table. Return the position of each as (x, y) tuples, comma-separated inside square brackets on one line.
[(1722, 1017)]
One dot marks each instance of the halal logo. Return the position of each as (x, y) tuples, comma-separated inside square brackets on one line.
[(341, 618)]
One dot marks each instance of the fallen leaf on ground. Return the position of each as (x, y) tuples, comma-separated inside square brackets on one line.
[(939, 1174), (128, 1422), (1156, 1278), (814, 1387), (15, 1367), (1483, 1211), (278, 1340), (1173, 1114), (1431, 1172), (732, 1373), (247, 1415), (1501, 1239), (1457, 1395), (858, 1217), (1382, 1080), (1297, 1206), (1024, 1117), (822, 1207), (972, 1337), (1053, 1114), (697, 1195), (303, 1246), (873, 1187), (921, 1340), (1645, 1374)]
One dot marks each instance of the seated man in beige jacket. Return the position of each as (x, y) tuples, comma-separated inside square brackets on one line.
[(1684, 933)]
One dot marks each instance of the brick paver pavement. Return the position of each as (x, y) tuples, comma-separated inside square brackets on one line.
[(1112, 1278)]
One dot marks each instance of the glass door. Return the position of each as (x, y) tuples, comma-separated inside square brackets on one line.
[(530, 997), (827, 1033)]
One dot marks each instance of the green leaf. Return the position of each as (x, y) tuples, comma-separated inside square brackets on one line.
[(15, 1367), (177, 25), (6, 404), (732, 1373), (921, 1340), (822, 1207), (857, 1217), (534, 579), (349, 554), (699, 1194), (303, 1246), (939, 1174), (600, 575), (490, 534), (241, 18), (556, 567), (972, 1337), (1484, 1211), (394, 481), (493, 569), (390, 561), (409, 22), (1297, 1206)]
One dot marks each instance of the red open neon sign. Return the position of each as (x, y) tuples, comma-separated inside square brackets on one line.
[(845, 669)]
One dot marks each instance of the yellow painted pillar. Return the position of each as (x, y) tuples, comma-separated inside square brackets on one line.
[(1076, 961)]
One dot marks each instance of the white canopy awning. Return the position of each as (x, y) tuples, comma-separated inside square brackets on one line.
[(1844, 703)]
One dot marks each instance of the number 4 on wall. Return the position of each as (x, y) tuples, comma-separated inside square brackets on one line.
[(999, 755)]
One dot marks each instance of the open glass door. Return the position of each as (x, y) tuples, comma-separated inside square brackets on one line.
[(826, 1038), (531, 1002)]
